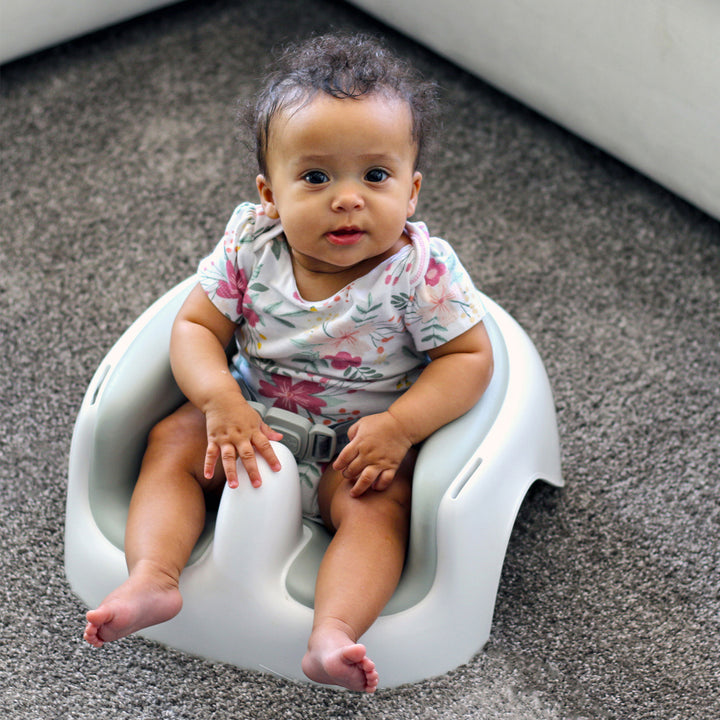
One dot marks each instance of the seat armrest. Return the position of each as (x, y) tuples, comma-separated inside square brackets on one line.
[(132, 391), (440, 463)]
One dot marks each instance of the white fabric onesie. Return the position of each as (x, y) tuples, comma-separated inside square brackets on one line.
[(351, 354)]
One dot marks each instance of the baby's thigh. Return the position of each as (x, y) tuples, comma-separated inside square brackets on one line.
[(179, 443), (335, 501)]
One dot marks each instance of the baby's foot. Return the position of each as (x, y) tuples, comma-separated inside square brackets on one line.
[(145, 598), (334, 659)]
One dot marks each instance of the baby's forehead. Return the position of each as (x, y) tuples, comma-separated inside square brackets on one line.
[(383, 96), (383, 108), (344, 127)]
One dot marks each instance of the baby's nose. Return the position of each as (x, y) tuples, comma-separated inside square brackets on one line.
[(348, 197)]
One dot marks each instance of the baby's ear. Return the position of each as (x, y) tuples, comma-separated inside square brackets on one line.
[(414, 193), (267, 199)]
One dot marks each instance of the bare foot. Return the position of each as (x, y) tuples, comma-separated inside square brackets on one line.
[(146, 598), (333, 658)]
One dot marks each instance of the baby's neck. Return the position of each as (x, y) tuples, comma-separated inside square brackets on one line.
[(316, 285), (316, 282)]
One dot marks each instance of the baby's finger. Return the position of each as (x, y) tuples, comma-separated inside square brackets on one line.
[(346, 456), (246, 454), (362, 465), (384, 480), (263, 446), (367, 477), (270, 433), (229, 463), (211, 457), (352, 430)]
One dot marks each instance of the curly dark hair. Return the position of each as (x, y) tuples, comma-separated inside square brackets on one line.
[(343, 66)]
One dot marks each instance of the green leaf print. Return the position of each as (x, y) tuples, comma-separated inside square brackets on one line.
[(365, 312), (270, 309), (436, 333), (362, 373), (400, 302), (284, 322), (314, 363)]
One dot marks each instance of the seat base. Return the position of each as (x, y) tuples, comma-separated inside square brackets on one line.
[(470, 479)]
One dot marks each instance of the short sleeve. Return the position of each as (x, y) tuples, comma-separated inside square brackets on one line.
[(224, 273), (445, 302)]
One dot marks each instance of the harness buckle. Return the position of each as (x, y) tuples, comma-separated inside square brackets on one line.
[(305, 440)]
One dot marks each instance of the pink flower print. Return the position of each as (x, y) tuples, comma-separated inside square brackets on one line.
[(434, 272), (343, 360), (289, 396), (348, 334), (235, 286), (439, 305)]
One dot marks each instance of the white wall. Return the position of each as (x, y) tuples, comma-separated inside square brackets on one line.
[(638, 78), (31, 25)]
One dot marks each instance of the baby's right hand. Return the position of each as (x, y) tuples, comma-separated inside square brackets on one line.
[(235, 431)]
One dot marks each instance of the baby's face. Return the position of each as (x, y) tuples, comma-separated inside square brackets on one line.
[(341, 178)]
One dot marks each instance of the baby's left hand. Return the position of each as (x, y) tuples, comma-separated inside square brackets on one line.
[(378, 444)]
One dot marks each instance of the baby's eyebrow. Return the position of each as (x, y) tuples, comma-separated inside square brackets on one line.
[(369, 159), (310, 159), (381, 158)]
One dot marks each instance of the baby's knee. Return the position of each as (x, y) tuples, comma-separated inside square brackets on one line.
[(398, 499), (178, 442), (184, 427), (390, 507)]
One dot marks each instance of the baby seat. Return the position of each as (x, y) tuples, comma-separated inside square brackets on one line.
[(248, 587)]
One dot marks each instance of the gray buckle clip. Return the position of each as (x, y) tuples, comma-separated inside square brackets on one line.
[(304, 440)]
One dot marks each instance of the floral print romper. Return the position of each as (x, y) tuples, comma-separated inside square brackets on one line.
[(349, 355)]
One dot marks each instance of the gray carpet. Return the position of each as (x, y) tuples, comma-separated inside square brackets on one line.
[(120, 166)]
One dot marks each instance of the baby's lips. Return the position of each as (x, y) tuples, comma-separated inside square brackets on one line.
[(345, 236)]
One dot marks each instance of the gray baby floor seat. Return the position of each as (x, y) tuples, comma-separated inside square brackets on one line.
[(248, 587)]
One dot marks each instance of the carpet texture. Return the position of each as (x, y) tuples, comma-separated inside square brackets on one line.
[(120, 166)]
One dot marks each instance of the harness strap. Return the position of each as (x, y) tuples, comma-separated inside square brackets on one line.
[(305, 440)]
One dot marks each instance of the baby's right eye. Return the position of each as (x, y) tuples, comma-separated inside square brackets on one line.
[(315, 177)]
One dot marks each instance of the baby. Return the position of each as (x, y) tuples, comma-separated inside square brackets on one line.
[(342, 311)]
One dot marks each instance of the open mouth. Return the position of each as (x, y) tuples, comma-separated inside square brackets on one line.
[(345, 236)]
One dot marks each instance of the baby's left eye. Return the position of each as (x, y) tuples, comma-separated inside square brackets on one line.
[(376, 175)]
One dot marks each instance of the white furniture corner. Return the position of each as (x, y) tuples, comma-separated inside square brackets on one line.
[(639, 79), (27, 26)]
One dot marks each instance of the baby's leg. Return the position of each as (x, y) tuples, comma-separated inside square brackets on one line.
[(358, 575), (167, 515)]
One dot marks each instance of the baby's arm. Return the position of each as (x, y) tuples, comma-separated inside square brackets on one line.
[(197, 353), (453, 381)]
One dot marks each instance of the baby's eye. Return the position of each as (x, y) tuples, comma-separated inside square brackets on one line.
[(315, 177), (376, 175)]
